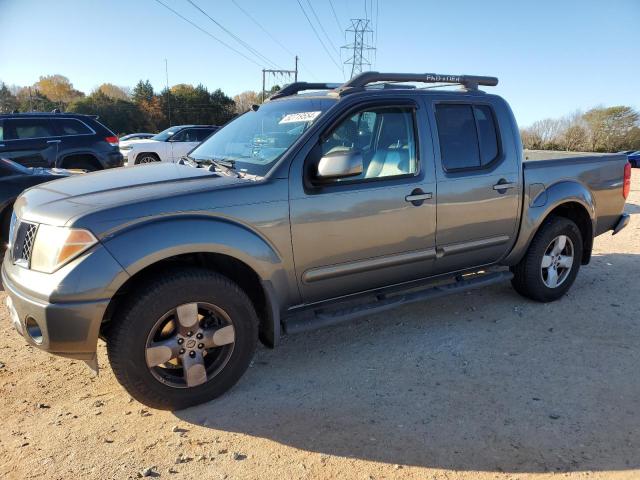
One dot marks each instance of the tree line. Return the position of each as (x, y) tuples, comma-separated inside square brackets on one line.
[(601, 129), (126, 110)]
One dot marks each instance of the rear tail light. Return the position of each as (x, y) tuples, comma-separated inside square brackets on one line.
[(113, 141), (626, 183)]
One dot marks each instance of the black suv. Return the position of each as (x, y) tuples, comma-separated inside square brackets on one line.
[(64, 140)]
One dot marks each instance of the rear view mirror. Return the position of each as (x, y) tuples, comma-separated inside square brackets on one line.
[(340, 164)]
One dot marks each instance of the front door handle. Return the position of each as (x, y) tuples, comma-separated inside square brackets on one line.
[(54, 141), (417, 197), (504, 185)]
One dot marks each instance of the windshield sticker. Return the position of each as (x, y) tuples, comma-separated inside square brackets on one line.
[(299, 117)]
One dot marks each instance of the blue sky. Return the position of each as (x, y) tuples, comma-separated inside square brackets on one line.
[(552, 57)]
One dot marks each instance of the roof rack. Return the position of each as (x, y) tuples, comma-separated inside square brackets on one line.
[(296, 87), (470, 82)]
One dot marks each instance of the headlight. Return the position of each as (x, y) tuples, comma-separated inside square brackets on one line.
[(126, 147), (55, 246)]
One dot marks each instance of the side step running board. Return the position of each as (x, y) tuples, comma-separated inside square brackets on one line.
[(324, 317)]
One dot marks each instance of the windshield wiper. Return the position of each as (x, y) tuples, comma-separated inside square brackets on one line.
[(226, 165)]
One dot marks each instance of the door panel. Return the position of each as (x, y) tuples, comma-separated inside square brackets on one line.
[(364, 233), (477, 220), (30, 153)]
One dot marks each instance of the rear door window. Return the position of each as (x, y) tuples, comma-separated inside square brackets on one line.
[(458, 136), (468, 136), (71, 126), (486, 134), (26, 128)]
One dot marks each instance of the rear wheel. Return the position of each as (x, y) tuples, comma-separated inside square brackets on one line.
[(147, 158), (551, 263), (187, 341)]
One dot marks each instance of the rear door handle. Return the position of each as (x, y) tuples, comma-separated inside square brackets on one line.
[(504, 186), (54, 141)]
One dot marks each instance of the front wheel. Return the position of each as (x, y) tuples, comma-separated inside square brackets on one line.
[(147, 158), (186, 341), (551, 263)]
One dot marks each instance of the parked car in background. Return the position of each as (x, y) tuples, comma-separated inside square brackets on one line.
[(63, 140), (135, 136), (14, 179), (634, 159), (167, 146), (315, 208), (128, 140)]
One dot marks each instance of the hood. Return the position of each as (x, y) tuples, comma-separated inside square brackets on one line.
[(131, 143), (62, 201)]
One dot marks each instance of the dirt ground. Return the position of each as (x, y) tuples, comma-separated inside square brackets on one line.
[(475, 386)]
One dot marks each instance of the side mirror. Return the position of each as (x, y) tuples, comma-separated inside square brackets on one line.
[(340, 164)]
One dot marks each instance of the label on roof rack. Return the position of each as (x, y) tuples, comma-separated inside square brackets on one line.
[(300, 117)]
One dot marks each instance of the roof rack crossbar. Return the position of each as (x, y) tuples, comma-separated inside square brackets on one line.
[(470, 82), (296, 87)]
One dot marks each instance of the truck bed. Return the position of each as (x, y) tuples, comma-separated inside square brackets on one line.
[(600, 173)]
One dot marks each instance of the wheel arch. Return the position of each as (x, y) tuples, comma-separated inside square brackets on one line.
[(90, 157), (568, 199), (227, 248)]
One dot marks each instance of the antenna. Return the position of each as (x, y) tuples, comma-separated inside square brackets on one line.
[(359, 49)]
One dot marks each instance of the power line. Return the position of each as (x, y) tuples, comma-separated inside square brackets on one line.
[(208, 33), (322, 27), (234, 36), (335, 16), (272, 37), (317, 36)]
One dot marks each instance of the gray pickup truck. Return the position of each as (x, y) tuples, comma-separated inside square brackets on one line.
[(325, 203)]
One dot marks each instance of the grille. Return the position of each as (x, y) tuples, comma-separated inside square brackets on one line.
[(25, 236)]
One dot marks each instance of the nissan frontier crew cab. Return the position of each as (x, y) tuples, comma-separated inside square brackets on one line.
[(325, 203)]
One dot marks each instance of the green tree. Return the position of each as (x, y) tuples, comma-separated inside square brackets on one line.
[(121, 116), (8, 101), (142, 92), (32, 100)]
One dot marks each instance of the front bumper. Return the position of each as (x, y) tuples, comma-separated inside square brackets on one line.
[(60, 312), (70, 330)]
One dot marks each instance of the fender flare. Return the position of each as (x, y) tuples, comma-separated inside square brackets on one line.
[(66, 155), (538, 209), (144, 244)]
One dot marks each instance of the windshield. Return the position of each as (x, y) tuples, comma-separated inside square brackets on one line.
[(257, 139), (164, 135)]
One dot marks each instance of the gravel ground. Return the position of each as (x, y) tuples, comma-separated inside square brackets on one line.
[(479, 385)]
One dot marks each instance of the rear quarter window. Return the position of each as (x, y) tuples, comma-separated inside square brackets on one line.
[(71, 126)]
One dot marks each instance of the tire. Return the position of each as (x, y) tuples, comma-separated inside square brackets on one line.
[(87, 165), (131, 339), (534, 281), (147, 157), (5, 222)]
